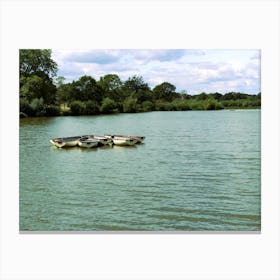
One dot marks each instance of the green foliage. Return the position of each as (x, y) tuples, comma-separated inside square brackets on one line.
[(63, 93), (108, 106), (38, 107), (37, 91), (201, 97), (196, 105), (135, 84), (38, 87), (86, 89), (52, 110), (147, 106), (165, 91), (163, 106), (130, 105), (59, 81), (181, 105), (77, 107), (36, 62), (22, 115), (25, 107), (212, 104), (43, 95), (91, 108), (110, 82)]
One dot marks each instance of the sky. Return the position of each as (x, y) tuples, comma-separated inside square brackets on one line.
[(190, 70)]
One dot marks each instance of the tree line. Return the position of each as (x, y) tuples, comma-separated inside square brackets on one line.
[(42, 93)]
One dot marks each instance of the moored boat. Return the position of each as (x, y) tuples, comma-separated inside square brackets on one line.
[(58, 142), (124, 141), (139, 139), (87, 142), (102, 140), (65, 141)]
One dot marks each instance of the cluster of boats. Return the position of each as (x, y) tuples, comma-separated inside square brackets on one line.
[(91, 141)]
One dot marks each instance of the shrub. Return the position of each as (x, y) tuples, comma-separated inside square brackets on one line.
[(52, 110), (25, 107), (38, 107), (147, 106), (130, 105), (91, 108), (22, 115), (77, 107), (196, 105), (108, 106), (212, 104), (181, 105), (164, 106)]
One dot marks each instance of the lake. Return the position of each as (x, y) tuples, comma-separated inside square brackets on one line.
[(195, 171)]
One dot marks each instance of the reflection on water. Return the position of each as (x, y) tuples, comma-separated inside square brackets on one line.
[(195, 171)]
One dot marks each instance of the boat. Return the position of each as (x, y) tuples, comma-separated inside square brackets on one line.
[(58, 142), (124, 140), (102, 140), (87, 142), (65, 141), (139, 139)]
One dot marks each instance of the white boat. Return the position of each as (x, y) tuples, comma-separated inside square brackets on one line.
[(102, 140), (87, 142), (59, 143), (124, 141), (139, 139), (65, 141)]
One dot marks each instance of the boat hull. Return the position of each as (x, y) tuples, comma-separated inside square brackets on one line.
[(102, 140), (139, 139), (119, 141), (65, 141), (88, 143), (57, 143)]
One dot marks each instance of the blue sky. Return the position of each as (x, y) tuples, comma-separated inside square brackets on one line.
[(192, 70)]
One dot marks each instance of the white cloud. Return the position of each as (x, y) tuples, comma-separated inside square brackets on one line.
[(191, 70)]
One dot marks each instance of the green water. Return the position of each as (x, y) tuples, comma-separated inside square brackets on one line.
[(196, 171)]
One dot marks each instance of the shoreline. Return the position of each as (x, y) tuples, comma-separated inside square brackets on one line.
[(108, 114)]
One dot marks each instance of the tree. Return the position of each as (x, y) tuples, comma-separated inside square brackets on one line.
[(37, 70), (86, 89), (137, 89), (110, 82), (38, 87), (135, 84), (35, 62), (165, 91), (108, 105), (111, 85), (130, 105), (59, 81), (202, 96)]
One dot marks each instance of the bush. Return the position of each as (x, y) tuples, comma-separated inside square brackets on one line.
[(196, 105), (180, 105), (52, 110), (164, 106), (108, 106), (38, 107), (147, 106), (25, 107), (91, 108), (130, 105), (22, 115), (77, 107)]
